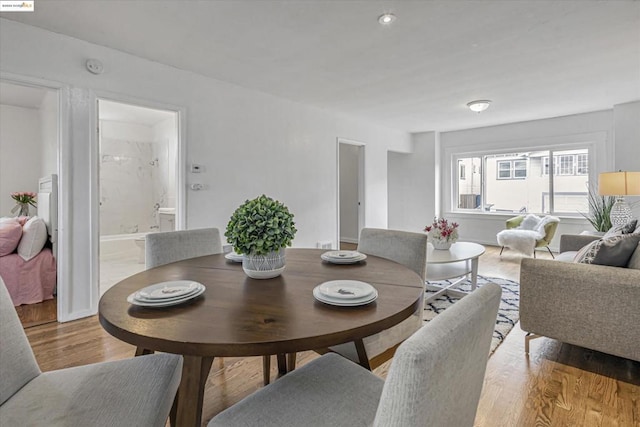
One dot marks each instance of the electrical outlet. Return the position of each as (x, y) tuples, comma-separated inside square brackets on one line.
[(196, 187)]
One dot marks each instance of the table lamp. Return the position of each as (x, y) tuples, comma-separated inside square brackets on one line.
[(619, 184)]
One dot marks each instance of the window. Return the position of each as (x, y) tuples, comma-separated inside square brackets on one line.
[(567, 164), (519, 182), (512, 169)]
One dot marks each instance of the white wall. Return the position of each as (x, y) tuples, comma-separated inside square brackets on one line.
[(20, 154), (49, 133), (412, 184), (627, 147), (249, 142)]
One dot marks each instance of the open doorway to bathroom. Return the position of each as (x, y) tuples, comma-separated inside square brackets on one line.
[(138, 149), (350, 192)]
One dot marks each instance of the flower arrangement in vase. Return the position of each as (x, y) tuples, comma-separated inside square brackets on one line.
[(23, 199), (441, 233), (260, 229)]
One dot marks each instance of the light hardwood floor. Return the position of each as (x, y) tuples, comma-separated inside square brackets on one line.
[(557, 385)]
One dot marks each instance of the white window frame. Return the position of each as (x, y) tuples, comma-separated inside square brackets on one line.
[(600, 159)]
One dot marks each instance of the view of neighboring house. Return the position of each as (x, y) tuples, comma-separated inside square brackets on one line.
[(521, 182)]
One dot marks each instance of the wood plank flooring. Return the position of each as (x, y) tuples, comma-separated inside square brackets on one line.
[(557, 385)]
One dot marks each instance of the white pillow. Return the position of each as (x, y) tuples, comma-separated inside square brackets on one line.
[(34, 236)]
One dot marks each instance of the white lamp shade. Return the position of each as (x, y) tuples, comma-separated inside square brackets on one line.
[(619, 184)]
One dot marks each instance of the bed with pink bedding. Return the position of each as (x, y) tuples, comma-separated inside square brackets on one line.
[(28, 248), (32, 281)]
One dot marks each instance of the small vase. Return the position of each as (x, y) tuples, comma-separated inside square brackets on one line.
[(441, 245), (264, 266), (24, 209)]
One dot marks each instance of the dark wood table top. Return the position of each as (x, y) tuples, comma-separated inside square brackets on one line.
[(240, 316)]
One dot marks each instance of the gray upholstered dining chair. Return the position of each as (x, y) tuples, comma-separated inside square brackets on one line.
[(172, 246), (410, 250), (130, 392), (435, 379)]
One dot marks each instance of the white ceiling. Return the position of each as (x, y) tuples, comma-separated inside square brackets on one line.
[(534, 59)]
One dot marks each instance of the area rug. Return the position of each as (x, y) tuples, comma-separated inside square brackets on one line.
[(507, 313)]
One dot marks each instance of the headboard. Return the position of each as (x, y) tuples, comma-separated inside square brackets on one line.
[(48, 207)]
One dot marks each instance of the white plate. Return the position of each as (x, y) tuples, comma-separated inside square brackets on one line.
[(342, 254), (132, 300), (346, 289), (344, 303), (232, 256), (169, 290), (137, 296), (361, 257)]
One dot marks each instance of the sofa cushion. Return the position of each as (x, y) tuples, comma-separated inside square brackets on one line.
[(567, 256), (634, 261), (614, 251)]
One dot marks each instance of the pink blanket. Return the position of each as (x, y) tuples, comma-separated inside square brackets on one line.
[(30, 281)]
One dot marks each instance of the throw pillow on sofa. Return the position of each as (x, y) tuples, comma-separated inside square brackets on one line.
[(627, 228), (614, 251)]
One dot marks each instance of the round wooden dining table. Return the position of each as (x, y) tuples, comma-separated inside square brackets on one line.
[(240, 316)]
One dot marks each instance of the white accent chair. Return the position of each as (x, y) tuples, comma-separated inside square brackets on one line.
[(410, 250), (435, 379), (131, 392)]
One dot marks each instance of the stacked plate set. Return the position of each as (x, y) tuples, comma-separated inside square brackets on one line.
[(346, 293), (166, 294), (343, 257)]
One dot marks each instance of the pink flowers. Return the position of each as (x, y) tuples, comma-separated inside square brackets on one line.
[(442, 230), (23, 197)]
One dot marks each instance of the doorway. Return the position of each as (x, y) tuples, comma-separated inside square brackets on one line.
[(350, 192), (138, 183), (29, 142)]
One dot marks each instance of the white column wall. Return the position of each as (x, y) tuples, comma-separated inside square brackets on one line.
[(413, 185), (249, 142)]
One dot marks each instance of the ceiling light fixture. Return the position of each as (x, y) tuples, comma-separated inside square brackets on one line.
[(386, 18), (479, 106)]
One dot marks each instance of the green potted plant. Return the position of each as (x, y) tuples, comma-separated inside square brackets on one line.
[(261, 229), (599, 211)]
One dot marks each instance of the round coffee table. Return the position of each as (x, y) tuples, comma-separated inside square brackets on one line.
[(461, 260)]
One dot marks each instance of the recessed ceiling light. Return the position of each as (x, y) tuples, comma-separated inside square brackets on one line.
[(479, 105), (386, 19)]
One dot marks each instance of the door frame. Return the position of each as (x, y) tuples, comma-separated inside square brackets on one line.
[(63, 166), (181, 193), (361, 187)]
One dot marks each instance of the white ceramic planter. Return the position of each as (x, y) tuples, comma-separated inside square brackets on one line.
[(440, 245), (264, 266)]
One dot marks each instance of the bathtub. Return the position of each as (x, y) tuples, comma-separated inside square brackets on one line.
[(121, 244)]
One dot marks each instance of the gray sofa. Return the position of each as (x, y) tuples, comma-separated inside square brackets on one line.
[(593, 306)]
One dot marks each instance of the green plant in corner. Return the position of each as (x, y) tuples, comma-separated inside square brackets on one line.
[(599, 210), (260, 226)]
